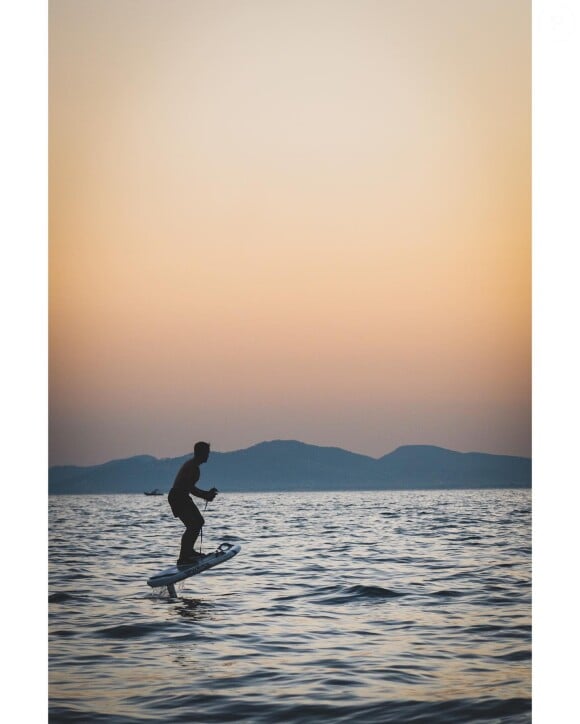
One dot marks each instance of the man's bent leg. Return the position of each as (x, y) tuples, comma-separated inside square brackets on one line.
[(188, 541), (193, 521)]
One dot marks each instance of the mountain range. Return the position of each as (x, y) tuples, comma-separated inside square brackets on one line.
[(292, 465)]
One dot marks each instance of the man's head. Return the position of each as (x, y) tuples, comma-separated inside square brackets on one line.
[(201, 451)]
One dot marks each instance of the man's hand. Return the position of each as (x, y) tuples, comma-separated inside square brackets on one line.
[(211, 494)]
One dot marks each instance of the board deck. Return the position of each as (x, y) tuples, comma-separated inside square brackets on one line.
[(173, 575)]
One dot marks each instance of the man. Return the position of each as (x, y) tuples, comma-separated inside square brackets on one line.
[(183, 507)]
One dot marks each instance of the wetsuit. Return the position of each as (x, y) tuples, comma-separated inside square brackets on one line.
[(183, 507)]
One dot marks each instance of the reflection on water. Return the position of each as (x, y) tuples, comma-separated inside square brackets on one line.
[(372, 606)]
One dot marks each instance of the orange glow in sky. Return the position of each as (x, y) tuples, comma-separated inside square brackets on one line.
[(290, 219)]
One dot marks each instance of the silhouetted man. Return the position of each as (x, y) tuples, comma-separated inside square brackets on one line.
[(183, 506)]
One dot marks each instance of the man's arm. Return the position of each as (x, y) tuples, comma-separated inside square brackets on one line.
[(204, 494)]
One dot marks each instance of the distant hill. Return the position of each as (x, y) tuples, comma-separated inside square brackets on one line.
[(292, 465)]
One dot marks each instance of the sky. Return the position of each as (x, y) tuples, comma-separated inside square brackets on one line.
[(299, 220)]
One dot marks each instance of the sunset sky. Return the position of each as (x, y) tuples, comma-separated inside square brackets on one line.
[(304, 219)]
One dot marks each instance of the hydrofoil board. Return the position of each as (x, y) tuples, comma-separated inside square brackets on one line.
[(170, 576)]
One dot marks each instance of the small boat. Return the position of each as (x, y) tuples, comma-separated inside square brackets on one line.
[(155, 491)]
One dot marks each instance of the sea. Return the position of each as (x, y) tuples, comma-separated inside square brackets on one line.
[(390, 606)]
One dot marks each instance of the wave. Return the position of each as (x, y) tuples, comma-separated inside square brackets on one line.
[(360, 593), (374, 592), (60, 597), (128, 631)]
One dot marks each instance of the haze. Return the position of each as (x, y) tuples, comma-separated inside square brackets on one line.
[(289, 219)]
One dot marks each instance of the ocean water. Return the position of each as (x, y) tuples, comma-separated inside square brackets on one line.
[(391, 606)]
